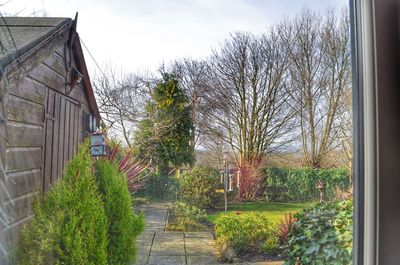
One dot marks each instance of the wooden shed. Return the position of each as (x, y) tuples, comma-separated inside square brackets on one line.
[(47, 106)]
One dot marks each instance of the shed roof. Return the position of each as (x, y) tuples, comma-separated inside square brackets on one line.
[(19, 35)]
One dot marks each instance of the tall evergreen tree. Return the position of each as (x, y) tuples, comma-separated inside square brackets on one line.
[(165, 133)]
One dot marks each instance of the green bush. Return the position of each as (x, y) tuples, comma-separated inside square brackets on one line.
[(69, 224), (250, 232), (123, 225), (299, 184), (159, 187), (197, 187), (271, 246), (185, 217), (322, 235)]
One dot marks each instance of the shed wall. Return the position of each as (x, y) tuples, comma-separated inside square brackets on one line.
[(43, 128)]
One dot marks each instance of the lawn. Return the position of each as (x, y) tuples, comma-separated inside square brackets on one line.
[(273, 210)]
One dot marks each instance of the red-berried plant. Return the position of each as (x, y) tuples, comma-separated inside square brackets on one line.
[(286, 227), (130, 166)]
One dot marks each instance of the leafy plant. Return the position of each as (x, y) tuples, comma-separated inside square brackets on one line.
[(123, 225), (197, 187), (246, 233), (69, 224), (286, 227), (185, 217), (271, 246), (322, 235)]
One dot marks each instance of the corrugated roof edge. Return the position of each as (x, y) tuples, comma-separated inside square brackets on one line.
[(14, 56)]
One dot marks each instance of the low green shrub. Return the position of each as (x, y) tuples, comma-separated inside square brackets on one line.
[(185, 217), (159, 187), (69, 224), (300, 184), (250, 232), (198, 187), (123, 225), (271, 246), (322, 235)]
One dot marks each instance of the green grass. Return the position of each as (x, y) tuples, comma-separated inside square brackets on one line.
[(273, 210)]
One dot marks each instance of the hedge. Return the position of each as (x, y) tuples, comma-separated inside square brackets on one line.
[(300, 184)]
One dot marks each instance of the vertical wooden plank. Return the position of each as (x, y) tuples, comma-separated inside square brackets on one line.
[(71, 131), (43, 174), (76, 129), (48, 147), (66, 132), (61, 138), (56, 129), (80, 126)]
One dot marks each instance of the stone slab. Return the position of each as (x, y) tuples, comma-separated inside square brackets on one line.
[(200, 241), (201, 260), (143, 251), (198, 235), (167, 260), (169, 234), (144, 241), (142, 255), (168, 250), (201, 250)]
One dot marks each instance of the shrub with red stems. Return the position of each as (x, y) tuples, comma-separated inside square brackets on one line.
[(286, 227), (128, 164)]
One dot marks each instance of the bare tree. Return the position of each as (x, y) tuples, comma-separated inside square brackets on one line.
[(192, 77), (121, 101), (248, 99), (319, 50), (346, 131)]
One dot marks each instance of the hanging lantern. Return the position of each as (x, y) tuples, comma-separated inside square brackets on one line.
[(98, 145)]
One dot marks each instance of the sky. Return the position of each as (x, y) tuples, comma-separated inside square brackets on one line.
[(139, 35)]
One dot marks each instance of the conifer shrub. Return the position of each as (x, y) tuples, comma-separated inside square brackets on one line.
[(69, 224), (123, 224)]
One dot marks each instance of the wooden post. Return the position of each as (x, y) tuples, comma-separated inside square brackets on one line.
[(225, 183), (320, 187)]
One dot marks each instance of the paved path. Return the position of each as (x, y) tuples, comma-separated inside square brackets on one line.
[(159, 247)]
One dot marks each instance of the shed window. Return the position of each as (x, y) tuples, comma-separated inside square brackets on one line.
[(89, 123)]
